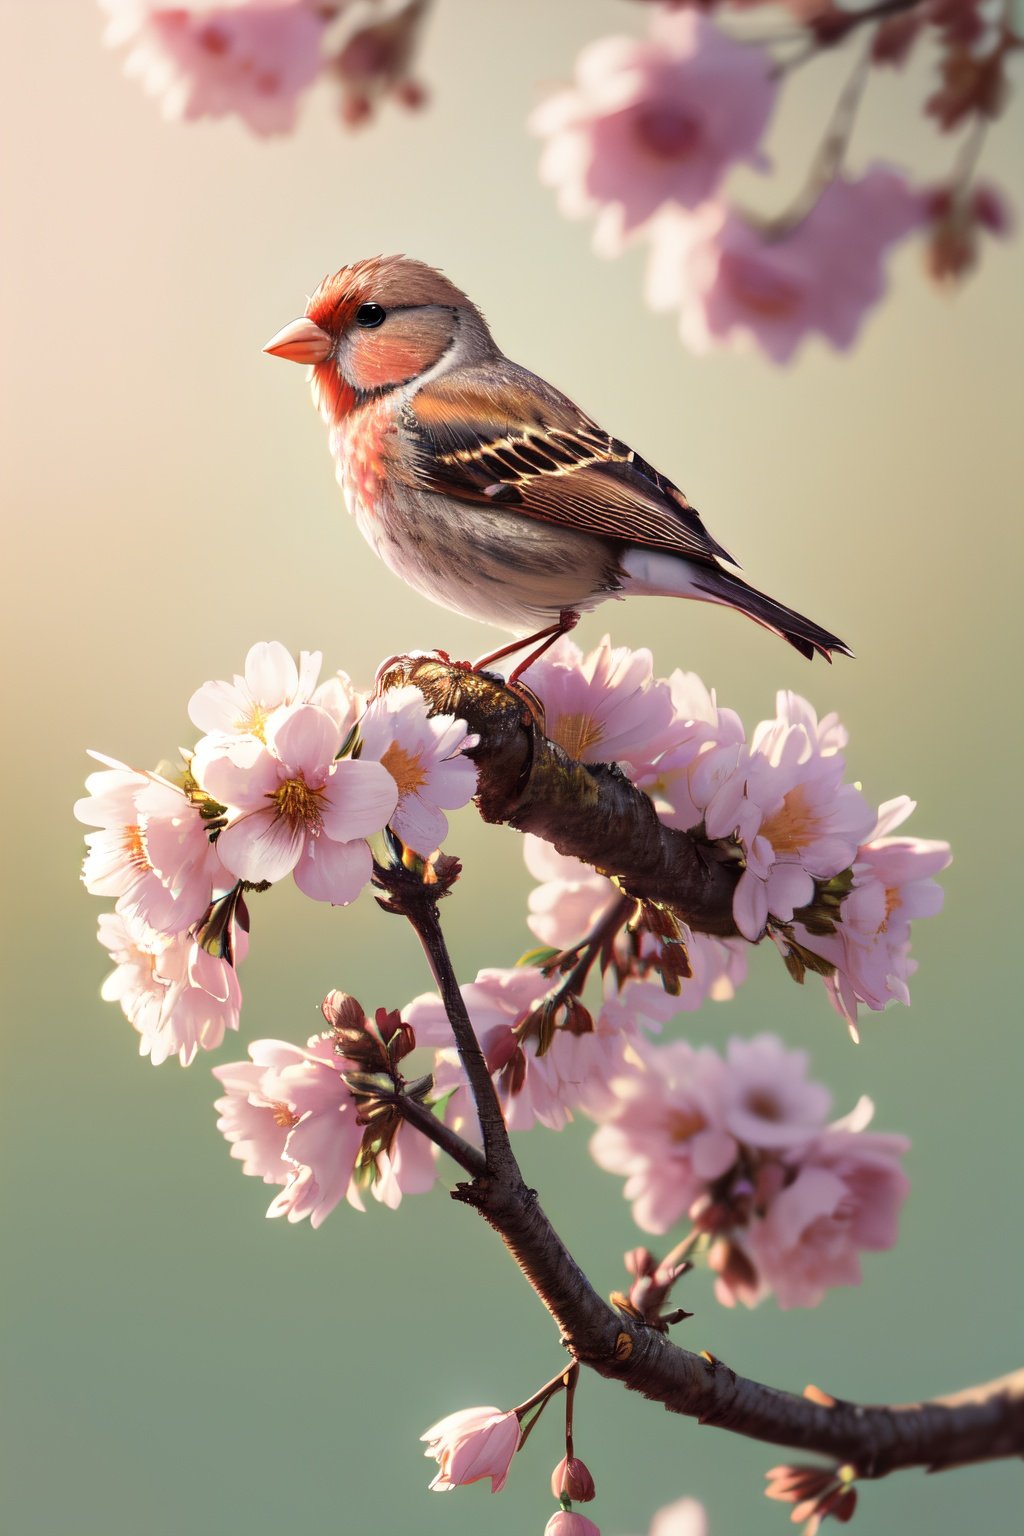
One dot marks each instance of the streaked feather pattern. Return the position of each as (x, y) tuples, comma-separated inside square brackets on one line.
[(514, 440)]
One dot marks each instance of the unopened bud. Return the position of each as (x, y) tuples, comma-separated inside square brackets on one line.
[(711, 1216), (640, 1262), (342, 1011), (729, 1261), (571, 1480)]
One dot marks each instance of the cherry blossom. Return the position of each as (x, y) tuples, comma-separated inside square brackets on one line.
[(742, 1148), (892, 885), (210, 60), (473, 1444), (271, 680), (798, 821), (664, 1132), (571, 899), (740, 285), (534, 1086), (604, 707), (376, 62), (653, 122), (569, 1522), (292, 1121), (293, 809), (765, 1100), (846, 1196), (179, 997), (699, 728), (423, 753), (153, 850)]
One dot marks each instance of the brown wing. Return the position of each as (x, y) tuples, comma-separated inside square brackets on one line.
[(480, 435)]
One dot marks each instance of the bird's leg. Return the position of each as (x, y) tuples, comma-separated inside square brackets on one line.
[(567, 620)]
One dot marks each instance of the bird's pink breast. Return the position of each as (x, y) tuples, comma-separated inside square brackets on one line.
[(358, 447)]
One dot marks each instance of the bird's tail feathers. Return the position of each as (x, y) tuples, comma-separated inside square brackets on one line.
[(659, 574), (806, 636)]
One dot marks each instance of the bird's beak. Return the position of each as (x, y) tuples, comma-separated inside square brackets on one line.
[(300, 342)]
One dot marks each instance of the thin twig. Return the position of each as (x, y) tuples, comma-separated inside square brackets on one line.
[(588, 949), (411, 898), (468, 1157), (828, 161)]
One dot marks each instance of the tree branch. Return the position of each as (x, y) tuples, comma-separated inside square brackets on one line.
[(468, 1157), (982, 1423), (590, 811), (408, 896), (594, 813)]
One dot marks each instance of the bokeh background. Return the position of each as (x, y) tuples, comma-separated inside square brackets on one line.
[(172, 1362)]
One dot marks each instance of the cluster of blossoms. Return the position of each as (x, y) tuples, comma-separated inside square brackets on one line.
[(292, 1116), (256, 58), (647, 134), (821, 875), (740, 1145), (290, 778), (293, 776)]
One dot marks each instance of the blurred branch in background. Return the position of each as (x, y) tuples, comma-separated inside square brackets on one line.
[(646, 136)]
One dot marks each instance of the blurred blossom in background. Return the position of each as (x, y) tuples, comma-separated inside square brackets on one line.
[(169, 503)]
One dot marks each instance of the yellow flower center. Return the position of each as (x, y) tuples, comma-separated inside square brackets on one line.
[(793, 825), (299, 804), (761, 290), (575, 734), (283, 1116), (134, 845), (893, 899), (406, 768), (255, 722), (763, 1105), (681, 1124)]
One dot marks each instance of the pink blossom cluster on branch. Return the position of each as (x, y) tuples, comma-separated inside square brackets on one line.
[(822, 877), (291, 777), (294, 776), (648, 133), (739, 1144), (258, 58)]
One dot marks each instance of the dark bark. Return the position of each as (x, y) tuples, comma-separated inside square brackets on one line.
[(590, 811)]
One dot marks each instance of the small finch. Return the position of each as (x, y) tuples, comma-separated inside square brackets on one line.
[(481, 485)]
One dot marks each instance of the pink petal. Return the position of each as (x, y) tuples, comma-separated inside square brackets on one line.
[(237, 773), (360, 800), (261, 846), (334, 872), (306, 738)]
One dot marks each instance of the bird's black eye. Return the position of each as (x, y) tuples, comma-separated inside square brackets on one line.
[(369, 315)]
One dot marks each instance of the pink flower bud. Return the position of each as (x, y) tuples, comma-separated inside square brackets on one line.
[(991, 209), (472, 1444), (640, 1262), (568, 1523), (571, 1480), (342, 1011)]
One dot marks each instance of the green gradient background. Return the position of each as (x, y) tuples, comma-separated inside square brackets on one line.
[(172, 1363)]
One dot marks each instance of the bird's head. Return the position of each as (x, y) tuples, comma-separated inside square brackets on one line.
[(376, 326)]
